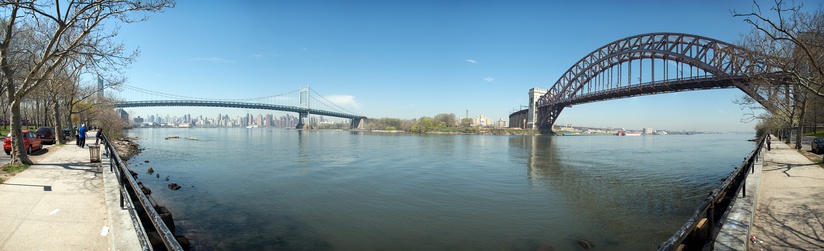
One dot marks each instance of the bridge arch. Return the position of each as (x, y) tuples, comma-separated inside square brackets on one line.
[(607, 72)]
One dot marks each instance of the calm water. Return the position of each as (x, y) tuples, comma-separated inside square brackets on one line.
[(276, 189)]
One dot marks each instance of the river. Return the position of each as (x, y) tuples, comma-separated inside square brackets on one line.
[(278, 189)]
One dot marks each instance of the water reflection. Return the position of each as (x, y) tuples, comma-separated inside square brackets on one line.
[(275, 189), (621, 189)]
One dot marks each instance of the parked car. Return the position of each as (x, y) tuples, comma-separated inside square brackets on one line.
[(817, 145), (46, 135), (66, 133), (30, 140)]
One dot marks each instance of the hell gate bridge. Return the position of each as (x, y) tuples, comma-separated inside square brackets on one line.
[(645, 64)]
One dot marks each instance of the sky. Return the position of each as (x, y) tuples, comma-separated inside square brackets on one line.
[(421, 58)]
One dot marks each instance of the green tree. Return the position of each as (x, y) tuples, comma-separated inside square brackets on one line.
[(424, 124), (466, 122), (448, 119)]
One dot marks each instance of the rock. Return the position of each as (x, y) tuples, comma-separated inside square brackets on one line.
[(585, 244), (146, 161), (158, 176), (167, 178), (174, 186), (151, 170)]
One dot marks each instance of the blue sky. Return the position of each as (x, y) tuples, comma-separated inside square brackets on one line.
[(421, 58)]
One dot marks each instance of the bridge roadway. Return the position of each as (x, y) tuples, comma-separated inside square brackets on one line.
[(303, 112)]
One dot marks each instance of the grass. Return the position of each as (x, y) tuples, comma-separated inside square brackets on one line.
[(4, 130), (14, 168), (11, 170), (819, 133)]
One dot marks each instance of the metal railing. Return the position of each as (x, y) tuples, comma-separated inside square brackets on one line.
[(701, 229), (127, 185)]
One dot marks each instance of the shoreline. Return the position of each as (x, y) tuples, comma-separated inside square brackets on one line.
[(127, 148)]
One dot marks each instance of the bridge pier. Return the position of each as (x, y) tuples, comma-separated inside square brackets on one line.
[(302, 120), (358, 123)]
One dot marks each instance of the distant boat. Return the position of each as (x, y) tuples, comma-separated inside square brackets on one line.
[(192, 138), (625, 133), (252, 126), (172, 136)]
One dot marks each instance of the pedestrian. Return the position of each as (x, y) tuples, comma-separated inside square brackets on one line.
[(769, 140), (81, 134), (97, 136)]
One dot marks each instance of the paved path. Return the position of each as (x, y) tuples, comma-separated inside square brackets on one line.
[(790, 212), (60, 204)]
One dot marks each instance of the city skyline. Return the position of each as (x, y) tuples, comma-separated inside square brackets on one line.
[(408, 60)]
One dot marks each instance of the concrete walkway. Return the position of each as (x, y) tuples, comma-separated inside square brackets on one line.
[(790, 204), (60, 203)]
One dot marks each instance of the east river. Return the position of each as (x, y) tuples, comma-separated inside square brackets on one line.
[(277, 189)]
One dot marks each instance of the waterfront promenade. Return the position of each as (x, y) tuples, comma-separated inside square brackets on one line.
[(64, 202), (790, 211)]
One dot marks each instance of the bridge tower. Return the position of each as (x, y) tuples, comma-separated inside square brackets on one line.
[(304, 104), (532, 115)]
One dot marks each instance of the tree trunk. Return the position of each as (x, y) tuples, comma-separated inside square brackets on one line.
[(58, 127), (18, 152), (803, 106)]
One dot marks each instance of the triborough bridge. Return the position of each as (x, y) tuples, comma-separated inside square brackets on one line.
[(296, 101), (647, 64)]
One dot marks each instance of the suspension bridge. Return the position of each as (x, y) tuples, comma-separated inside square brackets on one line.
[(648, 64), (297, 101)]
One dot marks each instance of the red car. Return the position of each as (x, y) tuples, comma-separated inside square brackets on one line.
[(30, 139)]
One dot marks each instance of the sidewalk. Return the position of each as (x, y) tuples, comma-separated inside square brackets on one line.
[(60, 203), (790, 211)]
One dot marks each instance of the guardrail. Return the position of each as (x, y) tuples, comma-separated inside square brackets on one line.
[(152, 237), (701, 229)]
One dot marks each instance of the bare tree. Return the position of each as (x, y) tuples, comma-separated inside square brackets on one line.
[(797, 32), (73, 29), (789, 51)]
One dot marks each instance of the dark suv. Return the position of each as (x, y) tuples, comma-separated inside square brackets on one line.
[(817, 145), (46, 134)]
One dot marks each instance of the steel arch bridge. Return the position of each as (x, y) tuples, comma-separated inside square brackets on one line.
[(652, 63)]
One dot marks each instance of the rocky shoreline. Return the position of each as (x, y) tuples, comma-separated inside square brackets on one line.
[(126, 147)]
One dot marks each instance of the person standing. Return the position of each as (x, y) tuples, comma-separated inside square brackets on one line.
[(97, 136), (81, 135), (769, 140)]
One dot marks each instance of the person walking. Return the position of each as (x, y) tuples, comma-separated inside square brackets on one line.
[(97, 136), (81, 135), (769, 140)]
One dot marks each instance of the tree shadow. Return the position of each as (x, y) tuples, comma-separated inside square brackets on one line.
[(40, 152), (800, 228)]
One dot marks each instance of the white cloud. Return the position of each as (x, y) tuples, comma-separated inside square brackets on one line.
[(471, 61), (722, 111), (213, 60), (489, 79), (257, 56), (345, 101)]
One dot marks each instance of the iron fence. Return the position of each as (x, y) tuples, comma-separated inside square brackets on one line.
[(701, 229)]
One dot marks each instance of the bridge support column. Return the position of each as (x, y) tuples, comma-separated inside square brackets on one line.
[(302, 120), (358, 123), (546, 116)]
